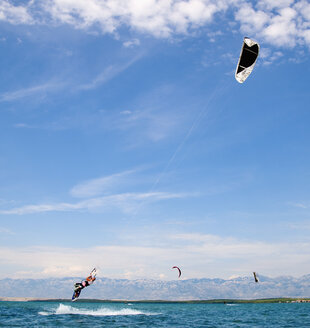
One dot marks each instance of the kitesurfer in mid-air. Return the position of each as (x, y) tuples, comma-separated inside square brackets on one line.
[(84, 283)]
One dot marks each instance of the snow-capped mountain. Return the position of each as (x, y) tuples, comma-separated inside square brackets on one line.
[(143, 289)]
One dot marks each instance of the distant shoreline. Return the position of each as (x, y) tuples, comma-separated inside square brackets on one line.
[(212, 301)]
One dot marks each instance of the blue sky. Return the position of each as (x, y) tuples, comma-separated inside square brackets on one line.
[(126, 142)]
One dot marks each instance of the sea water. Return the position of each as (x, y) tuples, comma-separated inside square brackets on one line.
[(89, 314)]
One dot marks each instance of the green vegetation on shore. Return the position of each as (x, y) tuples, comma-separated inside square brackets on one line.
[(213, 301)]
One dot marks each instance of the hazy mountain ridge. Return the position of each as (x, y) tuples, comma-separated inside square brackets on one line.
[(143, 289)]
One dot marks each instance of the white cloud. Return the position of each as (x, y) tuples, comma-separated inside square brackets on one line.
[(14, 14), (304, 8), (282, 29), (126, 202), (131, 43), (278, 22), (198, 255), (251, 20), (160, 18)]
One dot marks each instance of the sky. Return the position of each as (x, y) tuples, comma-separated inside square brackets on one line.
[(127, 144)]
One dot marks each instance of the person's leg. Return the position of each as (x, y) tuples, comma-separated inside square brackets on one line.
[(78, 285)]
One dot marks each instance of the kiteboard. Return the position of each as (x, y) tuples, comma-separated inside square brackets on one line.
[(76, 294)]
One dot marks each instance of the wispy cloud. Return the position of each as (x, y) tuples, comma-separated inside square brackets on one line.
[(302, 226), (109, 73), (41, 89), (23, 126), (27, 92), (151, 123), (299, 205), (155, 116), (6, 231), (100, 185), (126, 202), (268, 56)]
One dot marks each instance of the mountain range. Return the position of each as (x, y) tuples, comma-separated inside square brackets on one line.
[(147, 289)]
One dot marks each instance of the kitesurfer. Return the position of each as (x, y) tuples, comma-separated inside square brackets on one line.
[(84, 283), (255, 277)]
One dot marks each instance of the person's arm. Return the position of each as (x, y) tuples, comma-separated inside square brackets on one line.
[(92, 280)]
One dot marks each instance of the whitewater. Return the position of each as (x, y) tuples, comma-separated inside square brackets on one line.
[(146, 315), (102, 311)]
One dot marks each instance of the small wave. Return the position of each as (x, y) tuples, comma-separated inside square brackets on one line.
[(232, 304), (67, 309)]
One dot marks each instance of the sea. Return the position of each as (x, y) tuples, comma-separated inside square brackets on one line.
[(92, 314)]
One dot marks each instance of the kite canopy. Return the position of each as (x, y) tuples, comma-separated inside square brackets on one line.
[(247, 59), (175, 267)]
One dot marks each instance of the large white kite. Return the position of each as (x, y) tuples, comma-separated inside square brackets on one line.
[(247, 59)]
